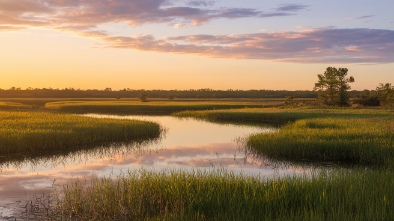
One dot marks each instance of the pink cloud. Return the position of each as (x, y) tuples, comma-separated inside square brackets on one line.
[(360, 17), (133, 12)]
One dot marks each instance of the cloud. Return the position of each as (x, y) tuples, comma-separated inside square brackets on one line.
[(22, 6), (201, 3), (291, 7), (353, 48), (178, 25), (10, 28), (360, 17), (316, 45), (83, 17), (55, 13)]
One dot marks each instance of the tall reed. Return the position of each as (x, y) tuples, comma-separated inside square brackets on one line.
[(221, 195)]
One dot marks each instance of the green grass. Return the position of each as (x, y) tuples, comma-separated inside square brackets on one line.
[(221, 195), (31, 134), (152, 107), (349, 136)]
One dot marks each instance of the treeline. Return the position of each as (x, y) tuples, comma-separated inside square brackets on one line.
[(383, 95), (171, 94)]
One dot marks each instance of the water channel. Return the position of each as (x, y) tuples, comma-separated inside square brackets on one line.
[(186, 144)]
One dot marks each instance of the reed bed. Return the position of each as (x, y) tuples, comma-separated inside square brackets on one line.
[(347, 136), (220, 195), (138, 107), (31, 134)]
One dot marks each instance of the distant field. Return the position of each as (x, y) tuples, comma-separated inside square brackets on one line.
[(135, 106), (13, 105), (158, 107)]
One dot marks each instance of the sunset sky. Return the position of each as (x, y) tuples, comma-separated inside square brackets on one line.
[(186, 44)]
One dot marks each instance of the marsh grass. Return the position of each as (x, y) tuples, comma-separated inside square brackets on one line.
[(346, 136), (13, 106), (353, 141), (35, 134), (281, 116), (32, 103), (220, 195)]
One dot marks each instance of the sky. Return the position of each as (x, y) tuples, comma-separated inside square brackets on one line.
[(193, 44)]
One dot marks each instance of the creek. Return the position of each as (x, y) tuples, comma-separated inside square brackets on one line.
[(186, 144)]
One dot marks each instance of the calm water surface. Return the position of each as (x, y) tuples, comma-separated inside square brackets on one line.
[(186, 144)]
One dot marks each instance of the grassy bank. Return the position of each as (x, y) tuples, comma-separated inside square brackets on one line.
[(31, 134), (355, 136), (340, 195), (152, 107)]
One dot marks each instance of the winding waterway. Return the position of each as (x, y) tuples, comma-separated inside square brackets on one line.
[(186, 144)]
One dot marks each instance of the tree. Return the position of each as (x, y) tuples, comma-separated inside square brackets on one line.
[(386, 94), (332, 86), (171, 97), (289, 100), (143, 97), (368, 98)]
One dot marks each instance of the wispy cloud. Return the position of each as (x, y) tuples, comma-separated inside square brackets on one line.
[(10, 28), (360, 17), (291, 7), (178, 25), (201, 3)]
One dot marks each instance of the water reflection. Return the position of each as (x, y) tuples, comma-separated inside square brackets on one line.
[(186, 144)]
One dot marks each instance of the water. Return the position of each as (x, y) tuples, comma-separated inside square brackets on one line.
[(186, 144)]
